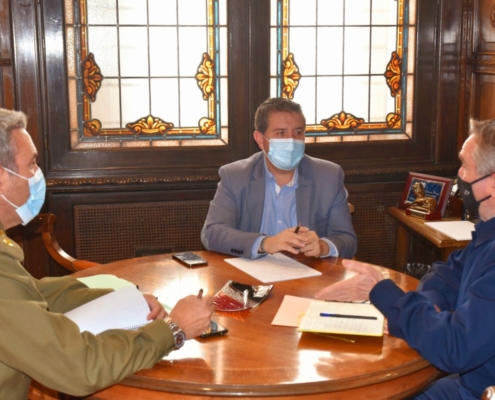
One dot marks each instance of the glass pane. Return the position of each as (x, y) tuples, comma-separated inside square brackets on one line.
[(355, 17), (224, 45), (192, 12), (382, 103), (133, 89), (102, 12), (273, 12), (223, 12), (164, 100), (384, 12), (273, 52), (306, 95), (224, 101), (302, 12), (192, 45), (133, 51), (330, 12), (192, 105), (383, 43), (106, 108), (329, 62), (71, 54), (162, 12), (133, 12), (356, 96), (105, 51), (303, 45), (163, 51), (357, 50), (329, 98)]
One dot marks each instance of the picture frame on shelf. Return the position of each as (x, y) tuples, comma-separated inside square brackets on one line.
[(426, 196)]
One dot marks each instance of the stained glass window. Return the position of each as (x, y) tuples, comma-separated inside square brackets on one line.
[(147, 72), (349, 63)]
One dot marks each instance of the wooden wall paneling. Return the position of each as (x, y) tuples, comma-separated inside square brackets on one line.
[(7, 99), (465, 84), (105, 206), (486, 24), (449, 50)]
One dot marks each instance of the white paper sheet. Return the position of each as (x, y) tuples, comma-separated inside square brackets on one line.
[(273, 268), (125, 308), (291, 310), (458, 230)]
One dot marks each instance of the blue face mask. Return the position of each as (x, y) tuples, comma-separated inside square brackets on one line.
[(37, 189), (285, 153)]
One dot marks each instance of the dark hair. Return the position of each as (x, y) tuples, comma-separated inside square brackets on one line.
[(9, 121), (275, 104), (484, 153)]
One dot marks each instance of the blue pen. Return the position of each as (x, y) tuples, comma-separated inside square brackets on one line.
[(346, 316)]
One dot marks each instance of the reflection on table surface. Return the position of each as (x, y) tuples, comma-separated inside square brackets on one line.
[(256, 358)]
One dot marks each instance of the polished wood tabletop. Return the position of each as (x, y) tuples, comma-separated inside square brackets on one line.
[(256, 359)]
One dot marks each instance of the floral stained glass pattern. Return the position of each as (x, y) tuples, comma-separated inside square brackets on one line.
[(349, 63), (147, 72)]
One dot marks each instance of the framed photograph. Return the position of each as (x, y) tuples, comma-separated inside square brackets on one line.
[(435, 187)]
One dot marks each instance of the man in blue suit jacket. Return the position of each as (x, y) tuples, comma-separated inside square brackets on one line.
[(280, 199)]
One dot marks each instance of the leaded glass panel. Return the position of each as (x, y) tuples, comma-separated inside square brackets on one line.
[(147, 73), (349, 63)]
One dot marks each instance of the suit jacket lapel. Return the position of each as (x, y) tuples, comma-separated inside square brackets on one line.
[(303, 194), (256, 199)]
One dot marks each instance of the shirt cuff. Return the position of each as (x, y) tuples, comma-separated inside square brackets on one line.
[(255, 248), (333, 252)]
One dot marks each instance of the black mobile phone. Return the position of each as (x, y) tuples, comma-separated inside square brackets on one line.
[(190, 259), (214, 330)]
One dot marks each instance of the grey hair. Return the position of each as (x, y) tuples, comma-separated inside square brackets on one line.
[(484, 153), (9, 121)]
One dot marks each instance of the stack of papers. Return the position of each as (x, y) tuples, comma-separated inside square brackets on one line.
[(458, 230)]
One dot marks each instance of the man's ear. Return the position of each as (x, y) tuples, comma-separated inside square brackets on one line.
[(3, 174), (258, 137)]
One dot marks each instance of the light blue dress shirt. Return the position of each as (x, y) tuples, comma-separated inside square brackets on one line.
[(279, 211)]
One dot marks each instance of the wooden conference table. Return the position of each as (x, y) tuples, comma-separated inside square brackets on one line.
[(256, 359)]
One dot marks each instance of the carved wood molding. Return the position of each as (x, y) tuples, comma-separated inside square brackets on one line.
[(427, 169), (123, 181), (150, 180)]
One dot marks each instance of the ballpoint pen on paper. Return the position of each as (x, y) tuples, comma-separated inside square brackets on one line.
[(346, 316), (200, 293)]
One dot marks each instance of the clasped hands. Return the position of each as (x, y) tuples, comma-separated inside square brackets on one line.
[(304, 241), (356, 288), (191, 314)]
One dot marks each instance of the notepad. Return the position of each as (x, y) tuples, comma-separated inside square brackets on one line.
[(347, 323), (124, 308)]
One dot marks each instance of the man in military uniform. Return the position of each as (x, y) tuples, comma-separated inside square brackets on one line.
[(36, 340)]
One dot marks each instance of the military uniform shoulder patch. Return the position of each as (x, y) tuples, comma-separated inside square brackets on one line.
[(8, 246)]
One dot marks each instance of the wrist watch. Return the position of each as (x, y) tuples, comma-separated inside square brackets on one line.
[(179, 335), (262, 245)]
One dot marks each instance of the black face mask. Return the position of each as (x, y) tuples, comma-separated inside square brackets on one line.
[(466, 191)]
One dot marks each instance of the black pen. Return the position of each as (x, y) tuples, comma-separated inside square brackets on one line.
[(297, 227), (346, 316), (200, 294)]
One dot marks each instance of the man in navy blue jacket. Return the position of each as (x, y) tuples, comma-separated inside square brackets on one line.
[(450, 320)]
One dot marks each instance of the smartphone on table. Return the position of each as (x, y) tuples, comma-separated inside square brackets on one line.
[(190, 259), (214, 330)]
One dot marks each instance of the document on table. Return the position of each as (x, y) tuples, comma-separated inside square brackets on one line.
[(273, 268), (124, 308), (342, 318), (458, 230), (291, 311)]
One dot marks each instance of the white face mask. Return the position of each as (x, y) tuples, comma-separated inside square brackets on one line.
[(37, 190), (285, 153)]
